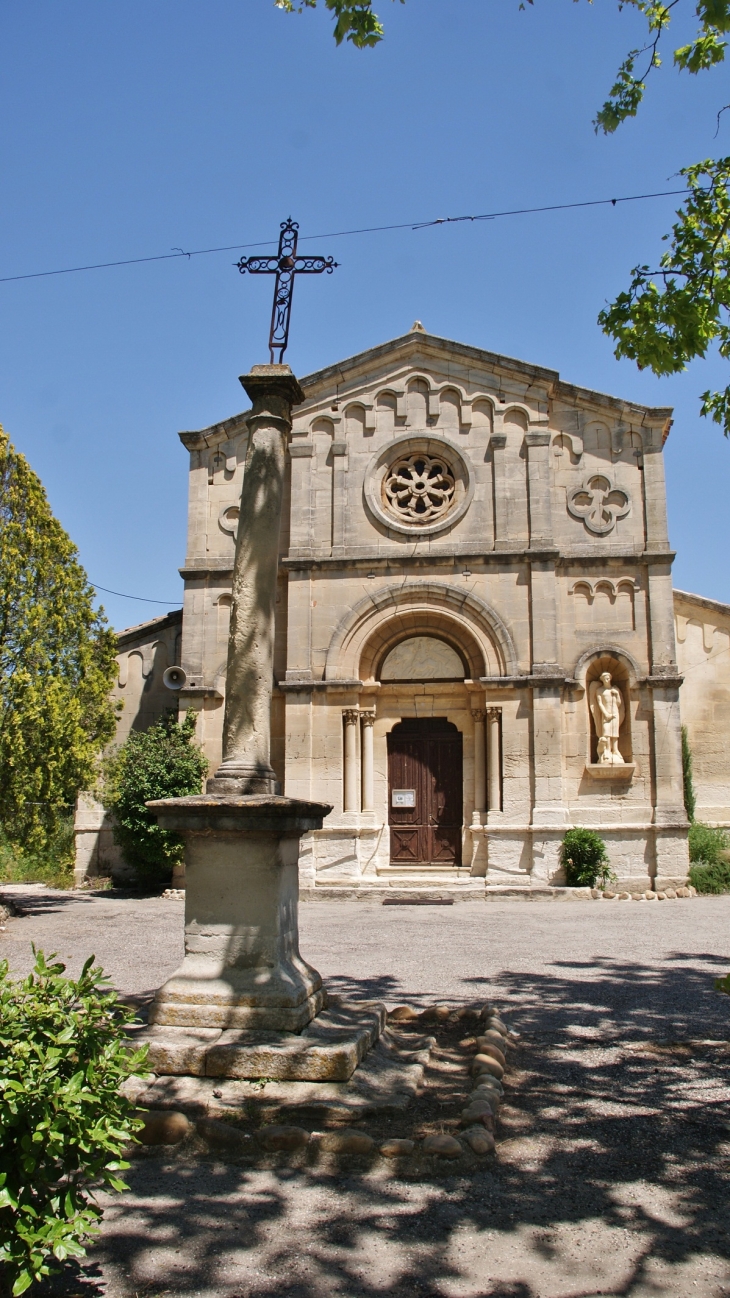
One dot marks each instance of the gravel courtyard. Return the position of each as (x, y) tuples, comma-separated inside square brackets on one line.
[(611, 1175)]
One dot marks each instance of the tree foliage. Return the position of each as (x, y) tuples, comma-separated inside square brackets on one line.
[(354, 19), (162, 762), (63, 1122), (675, 313), (57, 662)]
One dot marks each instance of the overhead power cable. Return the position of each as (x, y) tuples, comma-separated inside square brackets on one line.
[(177, 253), (140, 598)]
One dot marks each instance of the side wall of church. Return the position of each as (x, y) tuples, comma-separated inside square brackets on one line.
[(703, 651), (144, 654)]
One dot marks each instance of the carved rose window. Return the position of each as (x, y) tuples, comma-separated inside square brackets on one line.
[(419, 488)]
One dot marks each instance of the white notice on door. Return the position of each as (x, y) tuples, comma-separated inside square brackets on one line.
[(403, 798)]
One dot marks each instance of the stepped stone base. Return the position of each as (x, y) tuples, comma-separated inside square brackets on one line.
[(387, 1081), (330, 1048)]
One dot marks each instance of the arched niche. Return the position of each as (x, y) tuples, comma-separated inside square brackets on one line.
[(515, 417), (355, 420), (417, 403), (618, 669), (482, 413), (385, 409), (422, 658), (450, 410)]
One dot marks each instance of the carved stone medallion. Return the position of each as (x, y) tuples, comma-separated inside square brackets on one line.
[(599, 503)]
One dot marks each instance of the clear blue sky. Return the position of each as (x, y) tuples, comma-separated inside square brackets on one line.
[(131, 129)]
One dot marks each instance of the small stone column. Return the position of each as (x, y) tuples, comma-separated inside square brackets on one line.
[(498, 442), (538, 479), (246, 766), (494, 718), (479, 717), (368, 769), (351, 718)]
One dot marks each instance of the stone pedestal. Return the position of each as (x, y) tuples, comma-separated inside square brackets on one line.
[(242, 967)]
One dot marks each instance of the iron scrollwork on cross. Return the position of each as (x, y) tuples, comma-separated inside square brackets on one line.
[(599, 503), (285, 265)]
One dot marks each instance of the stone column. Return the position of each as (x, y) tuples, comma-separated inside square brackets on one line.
[(538, 479), (351, 718), (498, 442), (494, 718), (479, 717), (246, 766), (368, 791), (655, 492)]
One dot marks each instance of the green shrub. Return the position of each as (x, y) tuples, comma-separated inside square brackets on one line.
[(52, 864), (706, 844), (162, 762), (63, 1123), (710, 878), (585, 859)]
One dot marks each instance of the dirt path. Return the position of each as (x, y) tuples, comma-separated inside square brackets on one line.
[(612, 1175)]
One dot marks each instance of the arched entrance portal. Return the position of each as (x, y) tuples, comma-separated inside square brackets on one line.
[(425, 792)]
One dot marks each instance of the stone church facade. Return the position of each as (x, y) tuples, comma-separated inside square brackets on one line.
[(469, 544)]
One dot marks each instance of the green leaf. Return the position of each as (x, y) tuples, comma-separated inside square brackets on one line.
[(23, 1282)]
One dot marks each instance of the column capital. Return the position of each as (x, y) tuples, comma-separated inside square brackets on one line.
[(351, 716), (494, 713), (367, 718), (264, 382), (479, 714)]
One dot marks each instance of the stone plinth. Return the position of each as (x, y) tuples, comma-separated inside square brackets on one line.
[(242, 967), (329, 1049)]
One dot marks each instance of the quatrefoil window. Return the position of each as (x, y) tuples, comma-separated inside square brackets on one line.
[(599, 503), (419, 488)]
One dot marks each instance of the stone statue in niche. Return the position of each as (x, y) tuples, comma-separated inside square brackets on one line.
[(607, 709)]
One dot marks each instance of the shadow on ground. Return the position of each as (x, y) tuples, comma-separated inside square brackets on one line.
[(612, 1174)]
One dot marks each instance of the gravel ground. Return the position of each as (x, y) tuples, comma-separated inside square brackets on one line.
[(612, 1170)]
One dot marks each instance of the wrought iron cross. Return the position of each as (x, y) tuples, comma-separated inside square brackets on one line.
[(285, 265)]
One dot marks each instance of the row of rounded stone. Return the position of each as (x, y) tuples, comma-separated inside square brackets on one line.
[(669, 894)]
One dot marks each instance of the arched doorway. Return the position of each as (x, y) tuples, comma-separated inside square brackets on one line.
[(425, 798)]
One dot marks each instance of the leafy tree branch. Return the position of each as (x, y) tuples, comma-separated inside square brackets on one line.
[(673, 314), (354, 19)]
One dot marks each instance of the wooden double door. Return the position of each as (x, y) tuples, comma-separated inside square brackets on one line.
[(425, 792)]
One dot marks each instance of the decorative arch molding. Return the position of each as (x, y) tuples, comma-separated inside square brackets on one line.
[(605, 583), (523, 410), (379, 621), (604, 651), (147, 654)]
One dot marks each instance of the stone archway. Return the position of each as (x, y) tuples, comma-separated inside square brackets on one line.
[(377, 623)]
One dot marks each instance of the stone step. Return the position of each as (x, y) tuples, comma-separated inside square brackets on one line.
[(328, 1049)]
